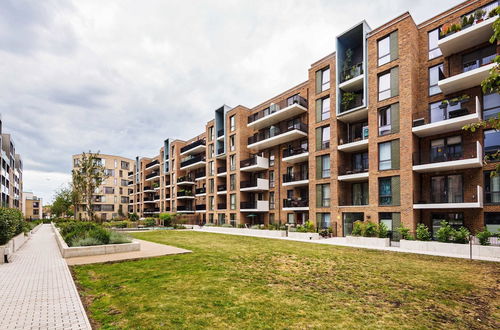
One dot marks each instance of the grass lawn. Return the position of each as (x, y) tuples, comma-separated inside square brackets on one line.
[(244, 282)]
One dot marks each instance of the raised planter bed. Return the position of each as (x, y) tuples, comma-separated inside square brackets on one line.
[(463, 250), (83, 251), (257, 232), (15, 244), (368, 241)]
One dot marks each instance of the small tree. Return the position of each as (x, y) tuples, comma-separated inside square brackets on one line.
[(88, 175), (166, 219), (61, 206)]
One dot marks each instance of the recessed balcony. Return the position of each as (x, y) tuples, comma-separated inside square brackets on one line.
[(254, 164), (185, 194), (200, 192), (295, 205), (153, 176), (193, 163), (474, 203), (149, 189), (255, 185), (353, 79), (277, 135), (467, 38), (185, 181), (449, 161), (256, 206), (295, 179), (221, 189), (193, 148), (448, 117), (222, 171), (154, 164), (361, 144), (353, 111), (278, 112), (465, 80), (354, 176), (220, 135), (296, 155), (185, 209), (201, 208)]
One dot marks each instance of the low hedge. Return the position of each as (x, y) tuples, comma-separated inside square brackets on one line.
[(11, 224)]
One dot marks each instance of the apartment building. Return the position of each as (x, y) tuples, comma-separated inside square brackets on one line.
[(32, 206), (111, 198), (11, 172), (374, 133)]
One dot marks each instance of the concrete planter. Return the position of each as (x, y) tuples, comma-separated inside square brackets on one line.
[(257, 232), (368, 241), (308, 236), (83, 251), (461, 250), (18, 241)]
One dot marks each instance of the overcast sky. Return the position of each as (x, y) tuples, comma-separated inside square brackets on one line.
[(120, 76)]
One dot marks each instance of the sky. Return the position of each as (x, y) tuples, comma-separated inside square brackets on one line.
[(120, 76)]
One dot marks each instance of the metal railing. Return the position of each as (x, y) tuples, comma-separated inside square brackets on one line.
[(193, 160), (295, 176), (447, 153), (352, 72), (295, 203), (152, 175), (275, 107), (200, 191), (221, 187), (279, 129), (193, 145), (294, 151), (154, 162)]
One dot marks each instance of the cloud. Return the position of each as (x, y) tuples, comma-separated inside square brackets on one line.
[(120, 76)]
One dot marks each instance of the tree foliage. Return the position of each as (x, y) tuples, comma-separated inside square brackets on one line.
[(63, 202)]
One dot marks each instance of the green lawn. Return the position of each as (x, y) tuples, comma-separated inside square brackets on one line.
[(243, 282)]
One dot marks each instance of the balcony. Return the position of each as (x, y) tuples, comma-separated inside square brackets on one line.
[(149, 200), (255, 185), (153, 176), (185, 180), (193, 148), (296, 179), (131, 173), (278, 112), (355, 175), (466, 38), (220, 134), (154, 164), (295, 205), (473, 203), (296, 155), (193, 162), (358, 145), (221, 189), (276, 135), (152, 210), (221, 206), (131, 183), (256, 206), (185, 209), (466, 79), (185, 194), (448, 160), (200, 175), (148, 189), (448, 117), (254, 164), (222, 171), (200, 191), (201, 207), (355, 110), (352, 79)]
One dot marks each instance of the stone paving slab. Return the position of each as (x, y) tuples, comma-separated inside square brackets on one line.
[(37, 290), (148, 250)]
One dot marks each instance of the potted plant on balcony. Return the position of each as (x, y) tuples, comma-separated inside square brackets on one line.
[(492, 13), (346, 68), (348, 99), (444, 104), (479, 15), (467, 21)]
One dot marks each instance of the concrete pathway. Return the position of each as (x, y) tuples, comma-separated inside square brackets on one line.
[(37, 290), (148, 250)]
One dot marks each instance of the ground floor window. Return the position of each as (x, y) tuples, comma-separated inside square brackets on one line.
[(456, 220), (232, 219), (290, 218), (348, 219), (323, 220), (222, 219), (392, 220), (492, 221)]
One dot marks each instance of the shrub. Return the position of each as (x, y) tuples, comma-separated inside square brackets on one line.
[(255, 227), (166, 219), (445, 233), (357, 228), (484, 237), (461, 236), (118, 238), (133, 217), (241, 225), (423, 233), (307, 227), (383, 231), (179, 227), (149, 222), (405, 233), (7, 225), (87, 241), (326, 232), (100, 234), (369, 229)]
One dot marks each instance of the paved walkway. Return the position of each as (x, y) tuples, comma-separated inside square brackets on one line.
[(148, 250), (37, 290)]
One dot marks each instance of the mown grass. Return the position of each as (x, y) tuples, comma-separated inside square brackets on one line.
[(236, 282)]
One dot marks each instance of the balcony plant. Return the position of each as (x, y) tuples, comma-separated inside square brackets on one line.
[(479, 15), (348, 99), (346, 67), (492, 13), (467, 21)]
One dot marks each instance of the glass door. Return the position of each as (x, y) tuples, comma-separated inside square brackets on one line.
[(349, 219)]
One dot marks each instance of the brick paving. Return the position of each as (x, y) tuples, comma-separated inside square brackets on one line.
[(37, 290)]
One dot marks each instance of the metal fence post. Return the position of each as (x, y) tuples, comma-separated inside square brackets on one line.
[(470, 244)]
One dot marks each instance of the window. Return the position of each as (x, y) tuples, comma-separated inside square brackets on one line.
[(388, 155), (491, 188), (271, 179), (388, 120), (389, 191), (232, 145), (109, 190), (455, 220), (447, 189), (211, 150), (360, 162), (232, 201), (232, 219), (434, 50), (491, 143), (323, 195), (323, 138), (391, 220), (492, 221), (388, 48), (211, 168), (109, 172), (478, 58), (323, 220), (211, 203), (211, 185), (446, 149), (384, 86), (211, 133), (271, 200), (271, 158), (323, 167), (491, 105), (360, 193), (322, 80), (322, 109), (232, 123), (232, 182), (435, 74), (232, 162), (271, 218)]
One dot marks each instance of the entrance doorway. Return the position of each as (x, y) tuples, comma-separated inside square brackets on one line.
[(348, 219)]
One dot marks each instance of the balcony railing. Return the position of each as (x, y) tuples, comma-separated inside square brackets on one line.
[(187, 178), (152, 175), (352, 72), (220, 151), (199, 191), (153, 163), (492, 197), (185, 208), (200, 174), (295, 176), (221, 187), (222, 206), (448, 109), (276, 130), (356, 102), (193, 145), (469, 20), (350, 170), (446, 153), (201, 207), (295, 151), (222, 169), (152, 210), (220, 133), (193, 160), (289, 203), (184, 193), (296, 99), (146, 188), (248, 205)]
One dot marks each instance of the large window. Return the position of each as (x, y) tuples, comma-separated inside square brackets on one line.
[(271, 200), (388, 48), (491, 105), (492, 221), (435, 74), (455, 220), (232, 123), (478, 58), (434, 50), (384, 86), (323, 138), (322, 109), (388, 155), (491, 143), (446, 149), (360, 162), (447, 189), (271, 179), (232, 201), (322, 80), (323, 167), (323, 220), (389, 191), (360, 193), (491, 188), (388, 120), (323, 195), (392, 220)]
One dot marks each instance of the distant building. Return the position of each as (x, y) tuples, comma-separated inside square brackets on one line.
[(32, 206), (11, 173)]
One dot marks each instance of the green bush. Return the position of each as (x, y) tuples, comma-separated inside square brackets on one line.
[(100, 234), (326, 232), (369, 229), (307, 227), (423, 233), (133, 217), (241, 225), (445, 233), (118, 238), (87, 241), (255, 227), (357, 228), (405, 233), (149, 222), (383, 231), (227, 225), (484, 237), (166, 219), (461, 236), (179, 226)]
